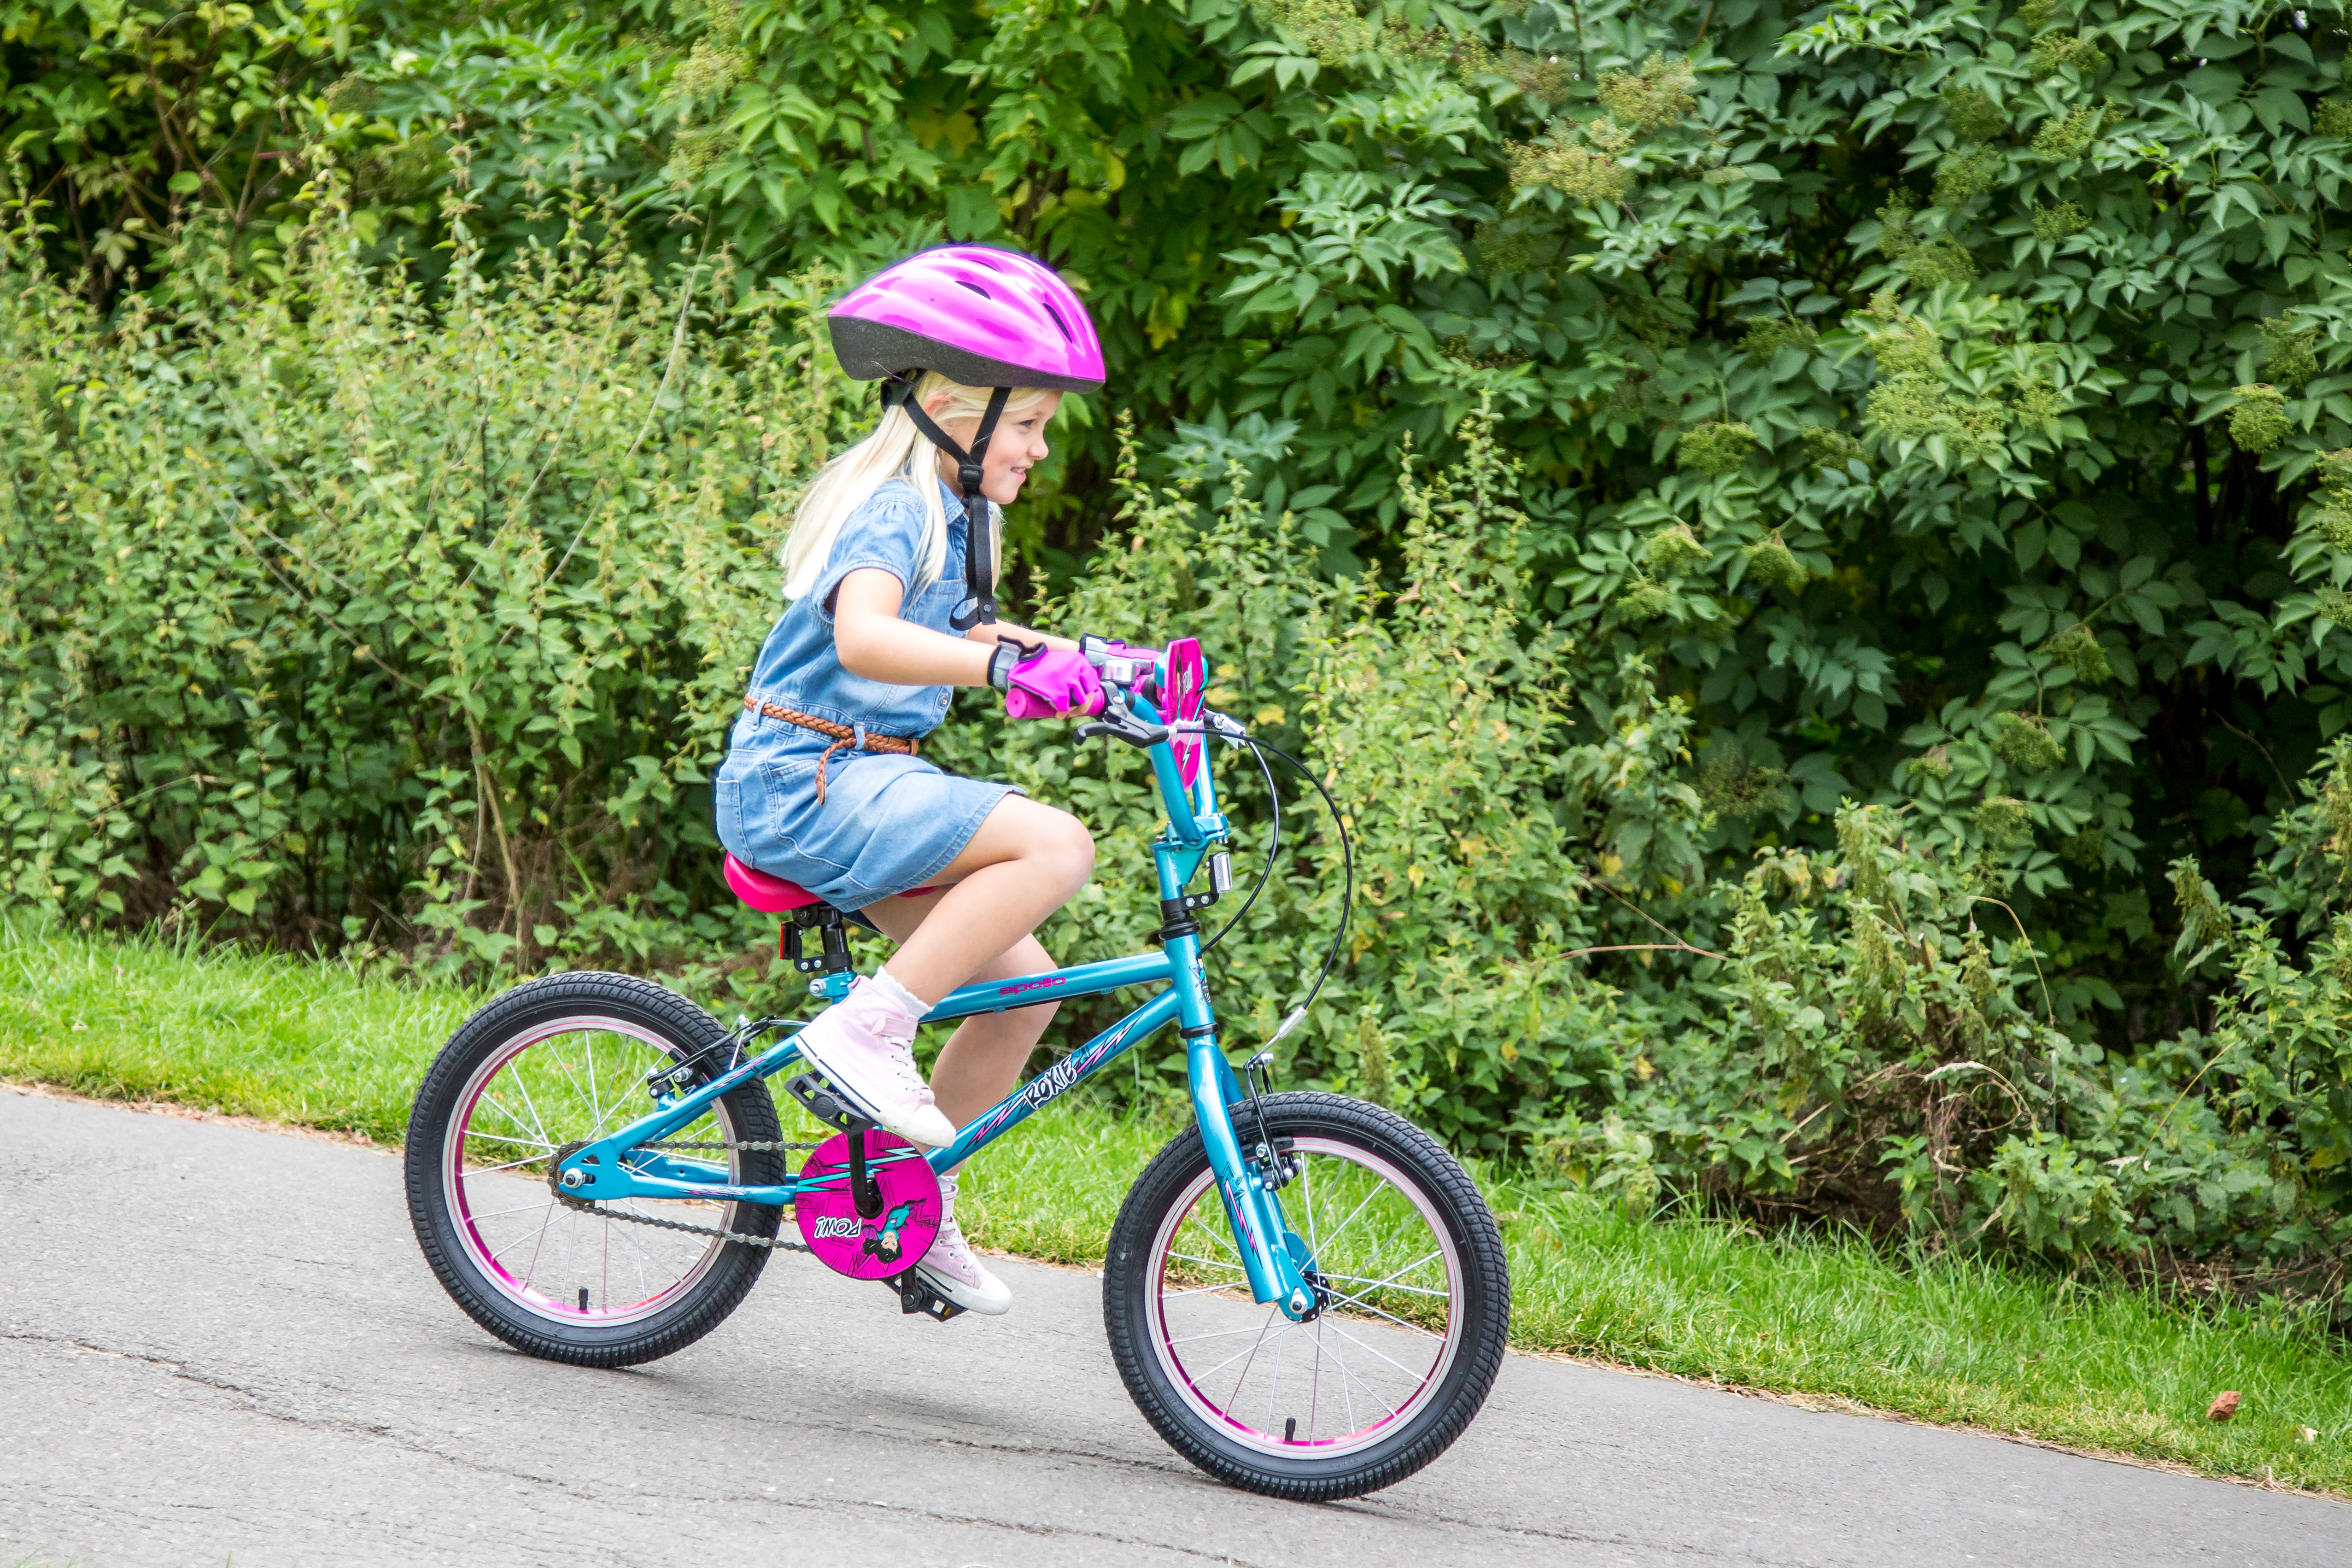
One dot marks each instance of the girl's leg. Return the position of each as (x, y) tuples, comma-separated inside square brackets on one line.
[(1026, 861), (982, 1059), (1022, 865)]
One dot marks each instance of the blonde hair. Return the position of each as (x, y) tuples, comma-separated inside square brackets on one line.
[(896, 450)]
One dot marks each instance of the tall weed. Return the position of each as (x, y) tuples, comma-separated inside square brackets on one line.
[(336, 616), (331, 614)]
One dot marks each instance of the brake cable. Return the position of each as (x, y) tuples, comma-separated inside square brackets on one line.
[(1273, 849), (1347, 899)]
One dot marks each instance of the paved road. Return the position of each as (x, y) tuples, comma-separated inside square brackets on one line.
[(217, 1343)]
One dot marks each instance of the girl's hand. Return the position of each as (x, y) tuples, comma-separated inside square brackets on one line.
[(1041, 683)]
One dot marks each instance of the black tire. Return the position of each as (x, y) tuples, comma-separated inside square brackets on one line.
[(651, 1023), (1384, 1149)]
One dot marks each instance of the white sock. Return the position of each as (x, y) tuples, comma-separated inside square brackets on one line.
[(898, 996)]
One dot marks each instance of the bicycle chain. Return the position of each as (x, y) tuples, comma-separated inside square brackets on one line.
[(588, 1205)]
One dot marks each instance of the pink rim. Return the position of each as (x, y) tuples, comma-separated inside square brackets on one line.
[(1400, 1390), (510, 1264)]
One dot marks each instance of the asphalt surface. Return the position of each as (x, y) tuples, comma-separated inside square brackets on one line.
[(221, 1345)]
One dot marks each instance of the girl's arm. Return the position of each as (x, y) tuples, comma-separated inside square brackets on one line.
[(873, 642)]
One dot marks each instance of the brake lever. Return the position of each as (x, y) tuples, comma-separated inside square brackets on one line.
[(1140, 735)]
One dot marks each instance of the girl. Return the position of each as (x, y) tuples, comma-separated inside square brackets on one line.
[(889, 571)]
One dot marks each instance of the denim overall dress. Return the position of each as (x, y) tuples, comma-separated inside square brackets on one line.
[(888, 822)]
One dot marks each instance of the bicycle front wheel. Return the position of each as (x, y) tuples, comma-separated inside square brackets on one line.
[(1413, 1316), (543, 1067)]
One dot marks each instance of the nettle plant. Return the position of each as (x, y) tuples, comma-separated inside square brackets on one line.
[(1442, 728), (1936, 395), (333, 614)]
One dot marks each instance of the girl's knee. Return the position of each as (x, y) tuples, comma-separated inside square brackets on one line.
[(1069, 849)]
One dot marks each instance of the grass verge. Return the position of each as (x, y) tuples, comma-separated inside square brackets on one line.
[(2085, 1364)]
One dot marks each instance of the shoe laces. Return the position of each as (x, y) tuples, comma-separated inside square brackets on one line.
[(909, 1080), (899, 1051), (951, 1233)]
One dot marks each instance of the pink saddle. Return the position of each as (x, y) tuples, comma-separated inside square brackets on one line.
[(769, 895), (774, 896)]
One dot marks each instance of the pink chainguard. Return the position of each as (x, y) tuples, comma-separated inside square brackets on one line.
[(886, 1243), (774, 896)]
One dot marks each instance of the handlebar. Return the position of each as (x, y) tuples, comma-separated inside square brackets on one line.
[(1135, 682)]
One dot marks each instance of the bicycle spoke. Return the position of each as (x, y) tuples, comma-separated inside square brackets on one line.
[(1349, 1375), (1274, 1387), (517, 1121), (537, 1124), (1314, 1384), (1391, 1282), (1359, 1208), (1193, 1290), (502, 1138), (1218, 1334), (1251, 1350), (1210, 1262), (572, 1078), (631, 1232), (588, 1060), (1307, 1202), (1346, 1400), (1272, 1312), (532, 1267), (518, 1240), (1418, 1377), (1208, 1229), (493, 1170), (1362, 1304)]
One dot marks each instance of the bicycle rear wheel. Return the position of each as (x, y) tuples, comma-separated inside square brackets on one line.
[(553, 1063), (1414, 1308)]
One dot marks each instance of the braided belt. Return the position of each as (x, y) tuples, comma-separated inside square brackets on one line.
[(854, 735)]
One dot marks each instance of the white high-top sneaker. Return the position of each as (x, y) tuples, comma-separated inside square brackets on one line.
[(866, 1046), (950, 1267)]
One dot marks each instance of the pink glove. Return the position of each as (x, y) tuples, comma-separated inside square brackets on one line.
[(1145, 660), (1051, 681)]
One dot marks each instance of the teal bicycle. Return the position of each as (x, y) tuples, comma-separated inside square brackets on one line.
[(1305, 1294)]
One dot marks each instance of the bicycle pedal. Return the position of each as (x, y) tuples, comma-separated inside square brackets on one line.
[(817, 1098), (914, 1296)]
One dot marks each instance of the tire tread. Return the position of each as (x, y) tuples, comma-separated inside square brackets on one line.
[(1487, 1283), (687, 1028)]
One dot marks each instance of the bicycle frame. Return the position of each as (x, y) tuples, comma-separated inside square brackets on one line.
[(615, 1167)]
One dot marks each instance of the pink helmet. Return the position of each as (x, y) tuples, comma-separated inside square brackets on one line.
[(976, 314)]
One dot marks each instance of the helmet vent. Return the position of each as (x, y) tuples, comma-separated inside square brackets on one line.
[(975, 287), (1057, 316)]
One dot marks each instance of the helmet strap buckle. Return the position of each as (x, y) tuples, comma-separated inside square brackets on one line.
[(979, 607)]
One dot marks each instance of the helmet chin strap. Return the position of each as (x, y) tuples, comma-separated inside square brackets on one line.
[(979, 607)]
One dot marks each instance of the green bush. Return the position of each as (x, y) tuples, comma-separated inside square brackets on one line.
[(1941, 329), (335, 616), (1898, 450), (330, 615)]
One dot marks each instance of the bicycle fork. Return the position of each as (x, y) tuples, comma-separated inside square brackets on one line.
[(1272, 1255)]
